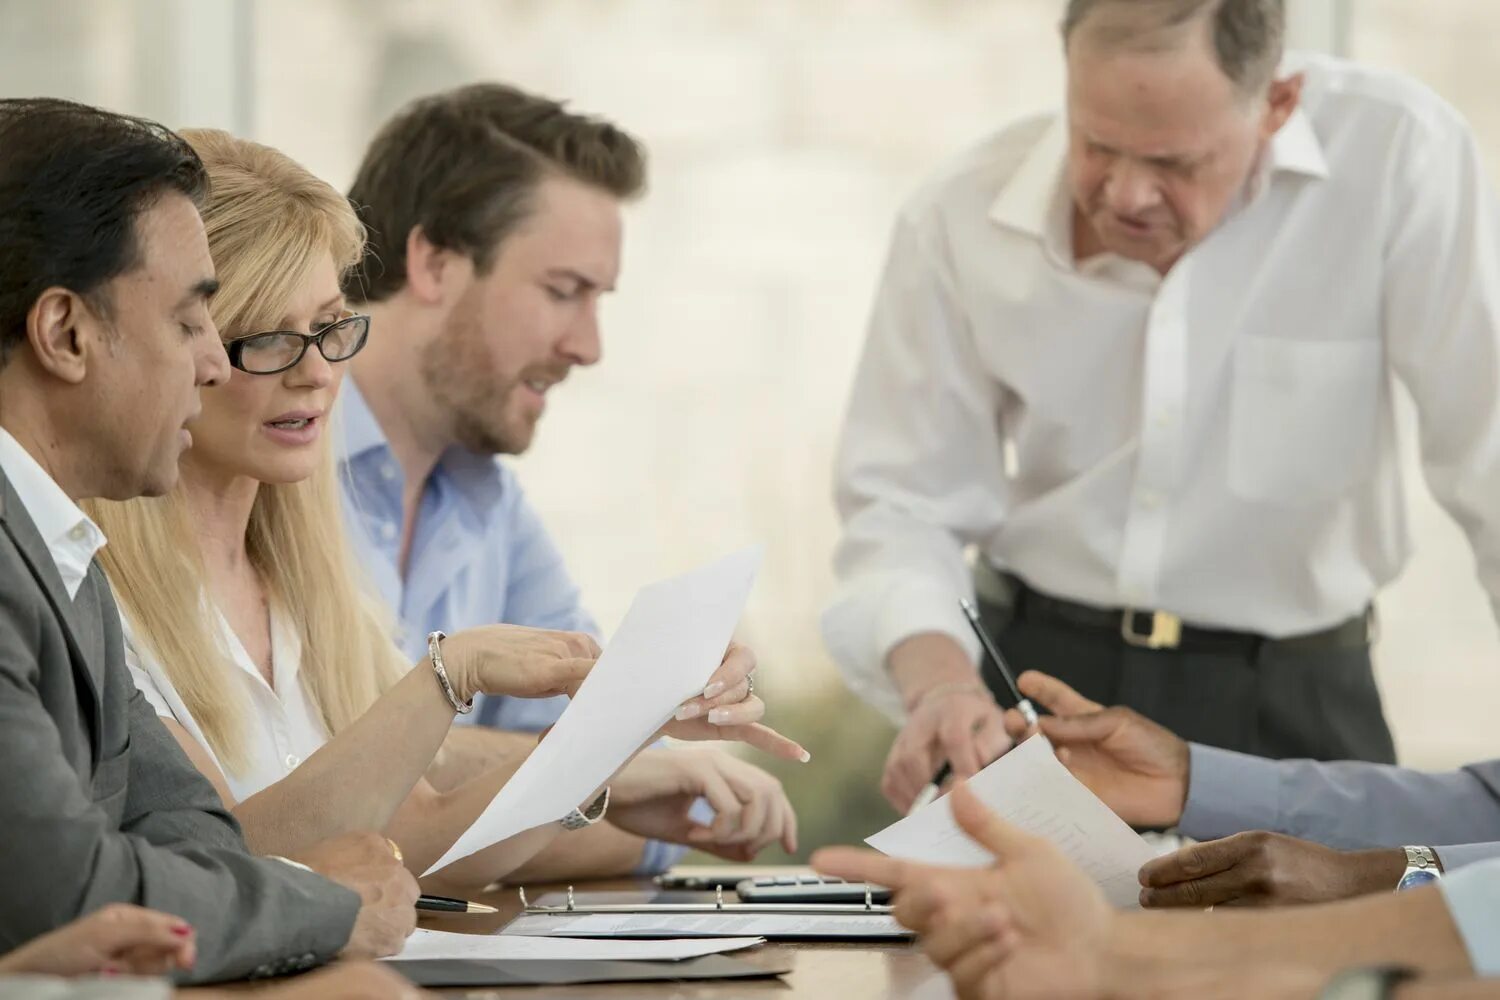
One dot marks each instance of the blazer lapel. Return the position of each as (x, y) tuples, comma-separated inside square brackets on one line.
[(83, 637)]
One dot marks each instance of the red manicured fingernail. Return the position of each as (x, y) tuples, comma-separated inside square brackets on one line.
[(182, 930), (110, 970)]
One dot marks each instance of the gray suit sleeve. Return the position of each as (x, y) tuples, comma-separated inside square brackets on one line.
[(1344, 804), (176, 849)]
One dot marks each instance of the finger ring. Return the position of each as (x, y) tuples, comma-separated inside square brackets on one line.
[(749, 686), (396, 850)]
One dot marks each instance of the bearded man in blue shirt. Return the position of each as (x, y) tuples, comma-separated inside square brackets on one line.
[(494, 230)]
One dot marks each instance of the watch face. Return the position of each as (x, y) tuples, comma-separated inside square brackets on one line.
[(1413, 879)]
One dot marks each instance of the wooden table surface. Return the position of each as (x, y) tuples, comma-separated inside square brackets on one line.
[(851, 971)]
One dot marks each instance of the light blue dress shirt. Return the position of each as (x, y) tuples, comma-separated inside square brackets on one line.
[(1473, 898), (1346, 804), (480, 555)]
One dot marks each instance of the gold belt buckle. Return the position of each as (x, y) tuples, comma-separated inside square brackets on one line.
[(1166, 630)]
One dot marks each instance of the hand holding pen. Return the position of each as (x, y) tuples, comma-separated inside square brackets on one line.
[(998, 677)]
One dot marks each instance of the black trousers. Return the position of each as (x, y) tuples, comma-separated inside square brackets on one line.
[(1262, 698)]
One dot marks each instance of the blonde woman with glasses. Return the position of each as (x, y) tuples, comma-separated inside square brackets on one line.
[(247, 631)]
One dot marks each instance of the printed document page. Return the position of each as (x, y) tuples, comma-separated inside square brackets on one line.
[(672, 640), (1030, 788)]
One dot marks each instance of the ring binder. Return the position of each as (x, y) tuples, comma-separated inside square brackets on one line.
[(717, 906)]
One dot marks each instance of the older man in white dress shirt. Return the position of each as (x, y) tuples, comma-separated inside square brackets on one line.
[(1138, 359)]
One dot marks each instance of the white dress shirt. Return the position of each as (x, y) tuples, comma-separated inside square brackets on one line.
[(283, 725), (1219, 443), (71, 536)]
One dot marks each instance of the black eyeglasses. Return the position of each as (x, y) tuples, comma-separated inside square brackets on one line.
[(269, 353)]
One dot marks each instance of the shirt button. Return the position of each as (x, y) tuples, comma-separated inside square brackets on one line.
[(388, 471), (292, 760), (388, 531), (79, 533)]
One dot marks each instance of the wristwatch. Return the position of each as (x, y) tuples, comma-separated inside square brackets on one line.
[(1422, 867), (580, 818), (1366, 984)]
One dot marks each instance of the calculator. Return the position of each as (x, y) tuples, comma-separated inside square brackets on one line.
[(808, 889)]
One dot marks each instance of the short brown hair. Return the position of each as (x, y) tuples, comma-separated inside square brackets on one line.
[(464, 165), (1248, 35)]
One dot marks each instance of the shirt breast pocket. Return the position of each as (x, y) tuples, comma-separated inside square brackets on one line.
[(1304, 418)]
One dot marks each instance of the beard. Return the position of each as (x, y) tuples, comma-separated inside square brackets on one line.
[(456, 373)]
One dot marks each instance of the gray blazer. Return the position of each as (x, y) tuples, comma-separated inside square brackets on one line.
[(99, 804)]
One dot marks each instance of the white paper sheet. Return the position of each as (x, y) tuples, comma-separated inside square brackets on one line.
[(508, 947), (1030, 788), (671, 641), (645, 924)]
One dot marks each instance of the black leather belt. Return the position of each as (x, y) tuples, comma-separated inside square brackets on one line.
[(1149, 629)]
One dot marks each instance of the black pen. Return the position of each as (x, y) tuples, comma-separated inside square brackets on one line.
[(1022, 703), (445, 904)]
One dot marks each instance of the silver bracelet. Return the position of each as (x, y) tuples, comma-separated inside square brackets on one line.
[(435, 654)]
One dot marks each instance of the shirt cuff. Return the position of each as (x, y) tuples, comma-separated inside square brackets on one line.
[(1229, 793), (1462, 855), (1471, 895)]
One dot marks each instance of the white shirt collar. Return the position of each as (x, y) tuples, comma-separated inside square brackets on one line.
[(1036, 200), (72, 537)]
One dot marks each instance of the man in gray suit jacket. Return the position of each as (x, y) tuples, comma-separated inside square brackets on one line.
[(1365, 824), (105, 337)]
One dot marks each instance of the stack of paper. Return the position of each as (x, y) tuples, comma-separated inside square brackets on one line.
[(1031, 789), (672, 640), (425, 944)]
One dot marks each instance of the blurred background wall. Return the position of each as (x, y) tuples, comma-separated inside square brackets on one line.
[(784, 134)]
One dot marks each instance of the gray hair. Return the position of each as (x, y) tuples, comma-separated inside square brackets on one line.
[(1248, 35)]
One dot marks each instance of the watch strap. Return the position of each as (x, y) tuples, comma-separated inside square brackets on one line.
[(580, 818), (1422, 868)]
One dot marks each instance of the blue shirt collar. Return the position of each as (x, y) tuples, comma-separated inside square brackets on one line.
[(362, 431), (475, 477)]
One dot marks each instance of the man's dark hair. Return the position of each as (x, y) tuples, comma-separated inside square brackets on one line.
[(73, 181), (465, 164), (1248, 35)]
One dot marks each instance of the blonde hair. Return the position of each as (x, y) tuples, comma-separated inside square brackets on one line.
[(269, 221)]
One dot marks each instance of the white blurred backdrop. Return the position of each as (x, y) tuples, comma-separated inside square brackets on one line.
[(783, 136)]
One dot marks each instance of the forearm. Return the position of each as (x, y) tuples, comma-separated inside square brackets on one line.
[(358, 779), (471, 750), (1412, 929), (926, 662), (429, 821), (601, 851)]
